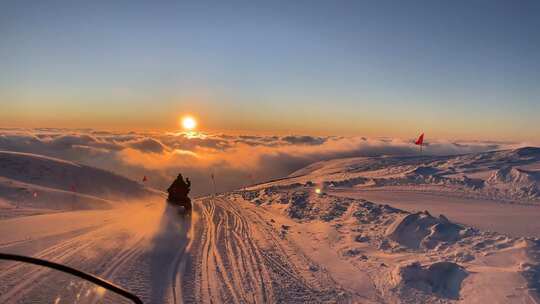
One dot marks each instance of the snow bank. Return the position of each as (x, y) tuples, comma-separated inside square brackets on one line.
[(518, 177), (441, 278), (517, 182), (423, 231)]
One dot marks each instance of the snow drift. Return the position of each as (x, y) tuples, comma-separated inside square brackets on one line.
[(421, 230), (516, 182), (442, 278)]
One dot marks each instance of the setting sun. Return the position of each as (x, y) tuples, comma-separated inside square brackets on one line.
[(189, 123)]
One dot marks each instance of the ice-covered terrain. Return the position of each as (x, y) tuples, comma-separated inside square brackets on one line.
[(312, 237)]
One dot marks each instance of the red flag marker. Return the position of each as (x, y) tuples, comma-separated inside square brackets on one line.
[(73, 189), (144, 179), (420, 141)]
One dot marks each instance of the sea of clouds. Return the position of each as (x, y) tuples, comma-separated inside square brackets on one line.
[(235, 160)]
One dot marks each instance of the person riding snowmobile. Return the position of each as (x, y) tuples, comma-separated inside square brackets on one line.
[(178, 192)]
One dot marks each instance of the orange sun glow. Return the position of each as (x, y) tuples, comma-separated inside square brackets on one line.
[(189, 123)]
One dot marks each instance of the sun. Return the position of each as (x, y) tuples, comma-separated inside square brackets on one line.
[(189, 123)]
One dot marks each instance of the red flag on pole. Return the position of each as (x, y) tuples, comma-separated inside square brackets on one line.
[(144, 179), (420, 140)]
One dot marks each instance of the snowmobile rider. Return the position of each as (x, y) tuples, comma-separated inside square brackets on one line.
[(179, 190)]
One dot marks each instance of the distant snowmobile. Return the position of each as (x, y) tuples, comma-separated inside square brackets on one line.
[(178, 193)]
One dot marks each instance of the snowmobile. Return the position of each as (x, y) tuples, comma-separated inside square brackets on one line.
[(178, 193), (185, 203)]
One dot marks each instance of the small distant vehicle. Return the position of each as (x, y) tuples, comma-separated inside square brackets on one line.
[(178, 193)]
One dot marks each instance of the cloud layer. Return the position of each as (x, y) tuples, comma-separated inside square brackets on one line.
[(236, 160)]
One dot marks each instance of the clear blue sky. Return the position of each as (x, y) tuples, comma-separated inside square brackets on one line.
[(455, 69)]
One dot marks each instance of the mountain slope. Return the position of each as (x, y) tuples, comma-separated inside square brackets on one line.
[(40, 182)]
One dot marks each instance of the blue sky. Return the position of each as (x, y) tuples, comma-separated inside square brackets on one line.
[(455, 69)]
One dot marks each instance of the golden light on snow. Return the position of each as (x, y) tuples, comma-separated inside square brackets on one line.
[(100, 291), (189, 123)]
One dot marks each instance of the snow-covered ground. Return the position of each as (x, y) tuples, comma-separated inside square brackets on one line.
[(137, 246), (466, 229), (509, 175), (488, 215), (33, 184), (318, 235)]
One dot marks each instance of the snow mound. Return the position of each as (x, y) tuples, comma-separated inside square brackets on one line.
[(442, 278), (423, 231), (514, 176), (63, 175), (517, 181)]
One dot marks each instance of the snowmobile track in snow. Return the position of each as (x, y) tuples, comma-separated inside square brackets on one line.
[(241, 260)]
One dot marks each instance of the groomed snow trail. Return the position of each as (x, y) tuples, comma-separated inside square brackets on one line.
[(140, 247), (225, 252), (240, 258)]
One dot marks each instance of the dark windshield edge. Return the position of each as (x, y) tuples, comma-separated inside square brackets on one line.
[(89, 277)]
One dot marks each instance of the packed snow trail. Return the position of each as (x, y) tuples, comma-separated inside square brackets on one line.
[(140, 247), (223, 253), (241, 258)]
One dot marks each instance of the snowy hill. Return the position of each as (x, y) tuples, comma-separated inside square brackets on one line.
[(39, 182), (511, 175)]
